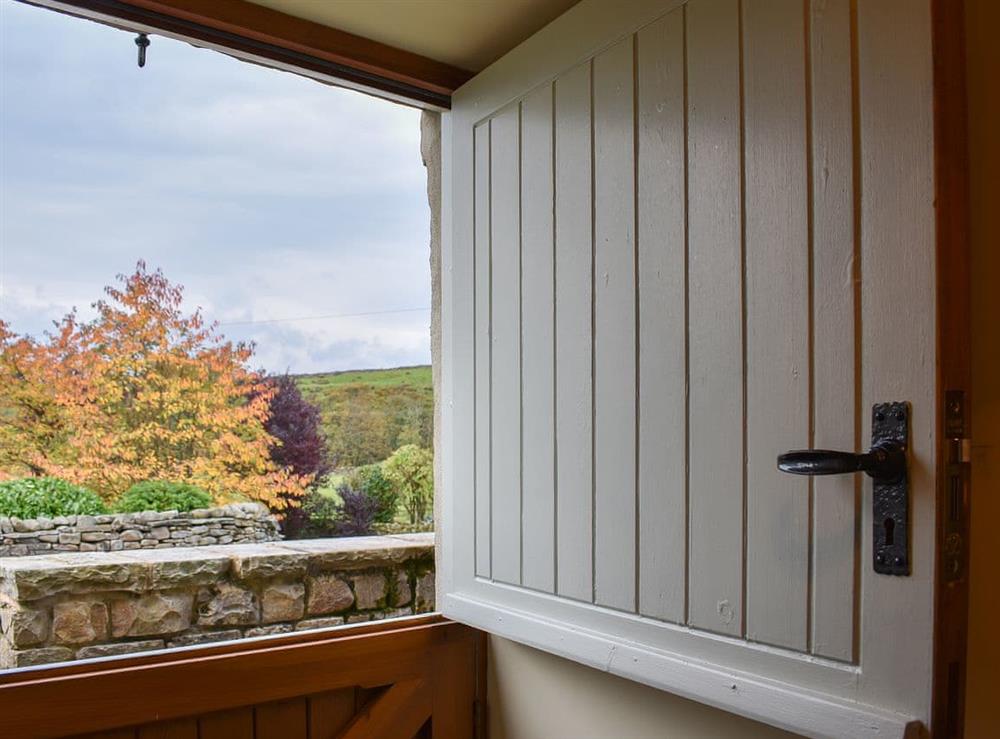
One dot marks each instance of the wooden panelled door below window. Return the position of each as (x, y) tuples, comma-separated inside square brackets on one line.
[(410, 679)]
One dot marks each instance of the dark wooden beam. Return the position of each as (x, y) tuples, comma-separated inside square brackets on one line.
[(246, 28), (396, 714)]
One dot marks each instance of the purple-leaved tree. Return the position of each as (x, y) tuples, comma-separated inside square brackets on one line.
[(296, 423)]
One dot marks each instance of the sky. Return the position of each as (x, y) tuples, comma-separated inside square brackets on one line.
[(272, 198)]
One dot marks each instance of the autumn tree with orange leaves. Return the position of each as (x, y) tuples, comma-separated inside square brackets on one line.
[(142, 392)]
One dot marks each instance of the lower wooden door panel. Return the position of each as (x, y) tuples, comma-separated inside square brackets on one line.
[(418, 679), (319, 716)]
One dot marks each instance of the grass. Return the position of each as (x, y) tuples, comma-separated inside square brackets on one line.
[(418, 377), (334, 481)]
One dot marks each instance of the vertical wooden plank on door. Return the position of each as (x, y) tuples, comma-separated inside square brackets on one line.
[(505, 376), (835, 358), (129, 733), (614, 328), (777, 319), (715, 310), (330, 712), (182, 728), (538, 340), (483, 348), (574, 338), (284, 719), (896, 139), (662, 258), (233, 724)]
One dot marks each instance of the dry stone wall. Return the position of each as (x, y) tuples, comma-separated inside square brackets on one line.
[(65, 606), (232, 524)]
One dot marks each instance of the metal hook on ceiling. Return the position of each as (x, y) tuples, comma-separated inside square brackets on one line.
[(142, 41)]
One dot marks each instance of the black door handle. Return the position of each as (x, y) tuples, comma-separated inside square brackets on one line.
[(885, 462)]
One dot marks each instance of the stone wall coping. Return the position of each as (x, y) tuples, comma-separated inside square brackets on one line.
[(63, 606), (39, 576)]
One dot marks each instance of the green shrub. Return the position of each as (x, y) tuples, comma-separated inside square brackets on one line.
[(31, 497), (371, 480), (411, 471), (315, 518), (319, 508), (355, 514), (159, 495)]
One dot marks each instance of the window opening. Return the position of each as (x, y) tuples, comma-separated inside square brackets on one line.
[(214, 346)]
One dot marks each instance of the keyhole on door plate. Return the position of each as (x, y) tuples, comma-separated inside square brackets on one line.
[(889, 525)]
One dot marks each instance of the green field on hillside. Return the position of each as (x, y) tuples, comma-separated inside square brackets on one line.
[(418, 377), (368, 414)]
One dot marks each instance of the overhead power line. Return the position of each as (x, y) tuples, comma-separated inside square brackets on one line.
[(323, 317)]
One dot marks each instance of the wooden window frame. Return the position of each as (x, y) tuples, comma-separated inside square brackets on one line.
[(276, 39)]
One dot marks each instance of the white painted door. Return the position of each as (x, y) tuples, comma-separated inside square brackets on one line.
[(685, 238)]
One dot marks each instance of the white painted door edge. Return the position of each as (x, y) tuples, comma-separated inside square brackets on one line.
[(782, 705)]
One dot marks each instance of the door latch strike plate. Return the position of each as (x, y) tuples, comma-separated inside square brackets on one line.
[(891, 499)]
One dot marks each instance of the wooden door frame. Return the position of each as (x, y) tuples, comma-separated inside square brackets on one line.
[(954, 357), (108, 694)]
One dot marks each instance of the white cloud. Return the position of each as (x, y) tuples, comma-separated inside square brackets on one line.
[(267, 195)]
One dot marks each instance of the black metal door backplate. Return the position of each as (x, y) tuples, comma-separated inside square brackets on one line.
[(891, 500)]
